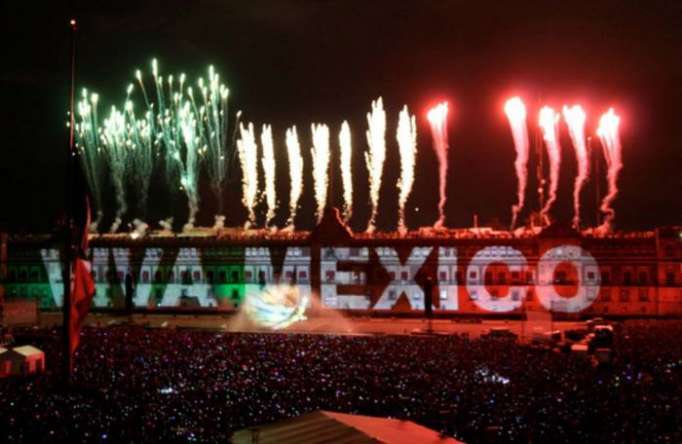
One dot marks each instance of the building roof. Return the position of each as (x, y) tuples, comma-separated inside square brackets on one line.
[(324, 427), (27, 350)]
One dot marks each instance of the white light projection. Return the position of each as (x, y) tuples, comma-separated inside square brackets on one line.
[(403, 280), (331, 277), (514, 260), (587, 290)]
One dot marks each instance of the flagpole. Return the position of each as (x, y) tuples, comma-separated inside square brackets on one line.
[(68, 210)]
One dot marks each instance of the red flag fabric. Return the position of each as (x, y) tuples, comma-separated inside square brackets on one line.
[(82, 292), (82, 285)]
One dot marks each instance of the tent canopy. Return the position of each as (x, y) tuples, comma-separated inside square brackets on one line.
[(323, 427)]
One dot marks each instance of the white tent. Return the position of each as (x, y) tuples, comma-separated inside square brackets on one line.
[(24, 360)]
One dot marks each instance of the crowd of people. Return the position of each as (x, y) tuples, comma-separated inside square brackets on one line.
[(133, 384)]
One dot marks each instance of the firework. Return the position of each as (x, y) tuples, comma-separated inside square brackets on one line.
[(575, 120), (515, 110), (346, 176), (248, 158), (268, 162), (88, 148), (548, 120), (407, 143), (295, 173), (610, 141), (214, 131), (438, 118), (320, 156), (115, 143), (140, 160), (374, 158)]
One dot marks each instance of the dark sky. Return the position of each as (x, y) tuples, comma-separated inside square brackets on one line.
[(293, 62)]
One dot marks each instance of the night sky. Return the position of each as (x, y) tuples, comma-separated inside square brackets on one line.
[(296, 62)]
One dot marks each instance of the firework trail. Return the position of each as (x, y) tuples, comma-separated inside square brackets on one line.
[(248, 158), (88, 147), (438, 118), (188, 178), (407, 143), (346, 176), (114, 140), (515, 110), (575, 120), (548, 120), (610, 141), (214, 129), (140, 159), (295, 173), (320, 156), (268, 162), (374, 159)]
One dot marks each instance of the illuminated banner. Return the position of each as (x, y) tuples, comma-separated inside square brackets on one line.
[(496, 279)]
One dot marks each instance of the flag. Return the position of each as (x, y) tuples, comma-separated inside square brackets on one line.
[(82, 284)]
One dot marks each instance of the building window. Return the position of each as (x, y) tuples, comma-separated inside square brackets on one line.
[(624, 295), (627, 278), (502, 278), (606, 278), (473, 275), (197, 276), (442, 276), (222, 276), (670, 278), (606, 294), (145, 277), (248, 276), (590, 275), (403, 275), (302, 275), (158, 276), (209, 277), (643, 278), (488, 278), (289, 275), (234, 276), (330, 276), (391, 274), (560, 277)]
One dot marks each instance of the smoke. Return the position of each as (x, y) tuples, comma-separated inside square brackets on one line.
[(248, 158), (548, 120), (219, 223), (166, 224), (346, 176), (407, 144), (115, 149), (575, 120), (515, 110), (438, 118), (320, 156), (269, 172), (374, 159), (610, 142), (295, 173), (139, 229)]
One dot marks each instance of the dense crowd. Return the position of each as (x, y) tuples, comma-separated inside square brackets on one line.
[(138, 385)]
